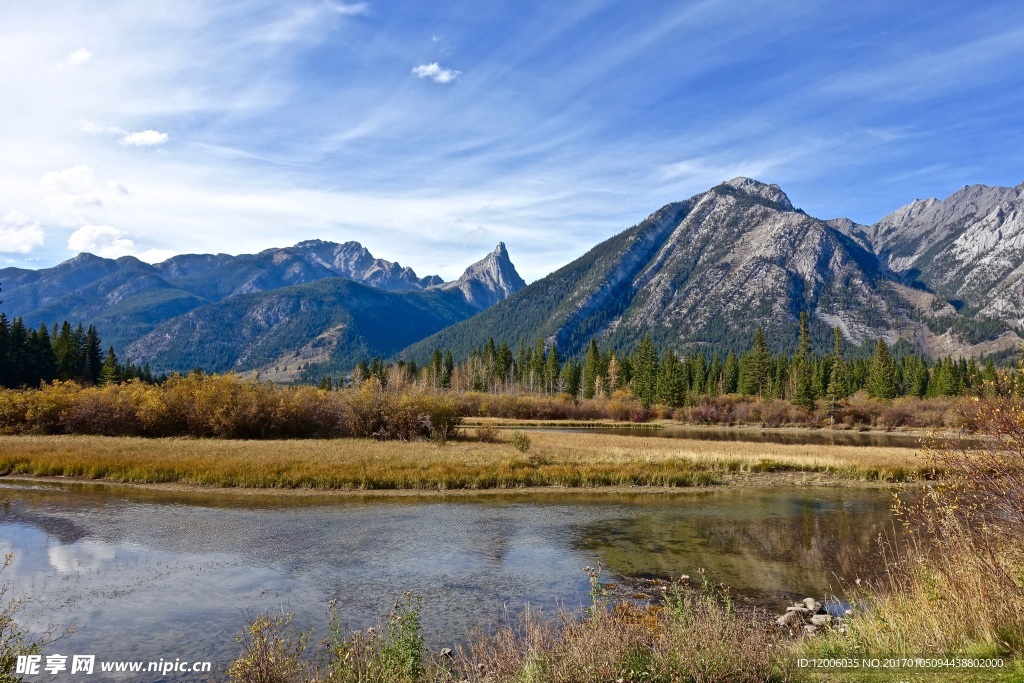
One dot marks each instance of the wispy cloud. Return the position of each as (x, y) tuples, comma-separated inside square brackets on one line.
[(87, 126), (295, 120), (73, 193), (19, 234), (144, 138), (435, 72), (349, 9), (75, 59), (936, 69), (707, 171)]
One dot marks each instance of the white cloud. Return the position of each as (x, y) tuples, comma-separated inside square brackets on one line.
[(435, 72), (144, 138), (87, 126), (110, 242), (79, 181), (75, 192), (156, 255), (102, 240), (19, 234), (75, 59), (349, 9)]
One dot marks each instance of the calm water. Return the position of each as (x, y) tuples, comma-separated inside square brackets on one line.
[(792, 437), (145, 574)]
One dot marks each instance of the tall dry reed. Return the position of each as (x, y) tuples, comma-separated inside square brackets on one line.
[(956, 584)]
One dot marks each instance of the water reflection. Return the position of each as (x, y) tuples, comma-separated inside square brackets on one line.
[(146, 574), (770, 545)]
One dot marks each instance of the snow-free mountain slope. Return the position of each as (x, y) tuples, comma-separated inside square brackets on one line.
[(126, 298), (700, 274)]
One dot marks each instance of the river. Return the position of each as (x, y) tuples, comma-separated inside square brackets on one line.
[(147, 574)]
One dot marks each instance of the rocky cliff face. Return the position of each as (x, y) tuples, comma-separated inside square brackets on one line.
[(968, 249)]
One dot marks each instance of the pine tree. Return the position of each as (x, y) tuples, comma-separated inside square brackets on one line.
[(362, 372), (882, 375), (590, 370), (537, 359), (522, 362), (838, 382), (571, 376), (44, 363), (671, 390), (552, 370), (731, 374), (436, 368), (93, 360), (613, 374), (780, 378), (802, 370), (757, 373), (18, 362), (110, 373), (714, 378), (698, 373), (645, 372), (447, 370), (503, 363), (5, 347), (837, 387), (66, 351)]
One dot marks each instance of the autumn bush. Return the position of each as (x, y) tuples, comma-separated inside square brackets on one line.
[(622, 407), (225, 407), (857, 412)]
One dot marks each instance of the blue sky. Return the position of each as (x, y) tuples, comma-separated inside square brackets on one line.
[(429, 131)]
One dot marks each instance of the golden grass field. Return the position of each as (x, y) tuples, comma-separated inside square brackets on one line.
[(561, 459)]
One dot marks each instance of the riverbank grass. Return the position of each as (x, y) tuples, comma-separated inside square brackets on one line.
[(552, 459)]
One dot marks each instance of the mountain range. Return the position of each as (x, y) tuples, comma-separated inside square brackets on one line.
[(943, 277), (316, 303), (940, 276)]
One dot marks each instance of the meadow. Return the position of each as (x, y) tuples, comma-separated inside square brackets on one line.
[(494, 458)]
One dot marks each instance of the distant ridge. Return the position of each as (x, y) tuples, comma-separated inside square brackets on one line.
[(129, 300), (700, 274)]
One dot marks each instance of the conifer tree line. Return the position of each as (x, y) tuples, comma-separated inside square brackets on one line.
[(805, 378), (30, 356)]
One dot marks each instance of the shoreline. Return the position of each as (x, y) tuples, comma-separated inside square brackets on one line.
[(671, 425), (730, 481)]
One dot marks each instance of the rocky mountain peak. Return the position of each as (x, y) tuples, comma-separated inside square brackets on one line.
[(772, 193), (489, 280)]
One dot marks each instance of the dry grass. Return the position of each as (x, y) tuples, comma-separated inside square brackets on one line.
[(956, 586), (554, 459), (691, 637)]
